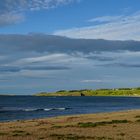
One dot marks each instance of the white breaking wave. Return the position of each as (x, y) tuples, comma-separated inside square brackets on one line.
[(31, 109)]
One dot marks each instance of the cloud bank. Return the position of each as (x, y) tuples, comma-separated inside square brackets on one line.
[(48, 63), (55, 44)]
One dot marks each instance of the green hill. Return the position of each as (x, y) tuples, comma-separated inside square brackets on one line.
[(98, 92)]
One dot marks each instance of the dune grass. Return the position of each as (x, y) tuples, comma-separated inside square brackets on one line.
[(91, 124)]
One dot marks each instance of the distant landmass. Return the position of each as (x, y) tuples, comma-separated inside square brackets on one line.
[(98, 92)]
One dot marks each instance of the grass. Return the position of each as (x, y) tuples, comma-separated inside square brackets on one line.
[(122, 134), (20, 133), (138, 120), (138, 116), (41, 138), (76, 137), (91, 124), (65, 126), (3, 133), (98, 92), (95, 124)]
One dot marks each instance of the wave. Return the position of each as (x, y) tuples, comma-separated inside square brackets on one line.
[(49, 109), (31, 109), (45, 109)]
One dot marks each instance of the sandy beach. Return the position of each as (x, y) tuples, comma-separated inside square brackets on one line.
[(102, 126)]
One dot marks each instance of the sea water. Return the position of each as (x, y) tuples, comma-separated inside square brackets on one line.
[(32, 107)]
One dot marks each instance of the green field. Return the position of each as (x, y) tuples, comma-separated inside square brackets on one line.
[(98, 92)]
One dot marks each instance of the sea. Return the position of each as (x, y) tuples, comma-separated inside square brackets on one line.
[(14, 108)]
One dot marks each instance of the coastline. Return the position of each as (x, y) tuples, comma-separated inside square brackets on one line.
[(97, 92), (123, 125)]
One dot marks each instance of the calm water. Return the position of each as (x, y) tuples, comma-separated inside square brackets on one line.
[(29, 107)]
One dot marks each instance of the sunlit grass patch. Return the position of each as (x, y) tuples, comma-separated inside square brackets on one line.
[(20, 133), (76, 137), (138, 116), (91, 124), (3, 133), (138, 120)]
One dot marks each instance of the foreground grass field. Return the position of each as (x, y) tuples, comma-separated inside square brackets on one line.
[(102, 126), (99, 92)]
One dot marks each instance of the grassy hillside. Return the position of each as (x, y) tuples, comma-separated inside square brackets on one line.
[(99, 92)]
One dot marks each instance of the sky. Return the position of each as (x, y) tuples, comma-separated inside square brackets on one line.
[(51, 45)]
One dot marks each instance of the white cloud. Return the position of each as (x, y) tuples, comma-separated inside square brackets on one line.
[(114, 28), (48, 58), (94, 81), (106, 19), (46, 4), (12, 11), (10, 18), (56, 58), (20, 5)]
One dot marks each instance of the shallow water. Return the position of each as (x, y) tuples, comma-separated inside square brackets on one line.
[(30, 107)]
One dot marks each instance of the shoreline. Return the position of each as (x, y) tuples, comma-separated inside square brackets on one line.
[(123, 125), (73, 96), (70, 115)]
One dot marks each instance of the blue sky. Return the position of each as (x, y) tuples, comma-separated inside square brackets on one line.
[(50, 45), (68, 15)]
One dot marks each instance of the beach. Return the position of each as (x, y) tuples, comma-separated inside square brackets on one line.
[(122, 125)]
